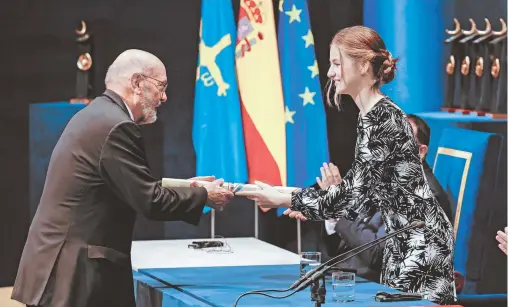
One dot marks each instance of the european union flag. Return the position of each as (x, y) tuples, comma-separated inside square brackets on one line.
[(306, 136), (217, 127)]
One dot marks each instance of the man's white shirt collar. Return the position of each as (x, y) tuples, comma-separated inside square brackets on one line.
[(128, 109)]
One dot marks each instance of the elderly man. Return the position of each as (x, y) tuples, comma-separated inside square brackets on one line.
[(78, 249)]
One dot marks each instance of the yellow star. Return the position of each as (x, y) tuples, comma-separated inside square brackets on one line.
[(294, 14), (314, 69), (308, 38), (281, 4), (289, 115), (308, 96)]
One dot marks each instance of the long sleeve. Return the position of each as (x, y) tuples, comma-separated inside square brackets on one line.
[(124, 167), (377, 135), (357, 233)]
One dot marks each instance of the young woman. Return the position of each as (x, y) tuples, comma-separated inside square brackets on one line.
[(387, 174)]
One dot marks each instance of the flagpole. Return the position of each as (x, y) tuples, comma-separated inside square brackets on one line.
[(256, 220), (299, 235), (212, 224)]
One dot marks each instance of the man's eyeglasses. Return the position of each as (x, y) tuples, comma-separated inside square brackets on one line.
[(162, 86)]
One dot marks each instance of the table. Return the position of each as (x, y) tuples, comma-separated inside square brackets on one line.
[(221, 286), (176, 254), (178, 276)]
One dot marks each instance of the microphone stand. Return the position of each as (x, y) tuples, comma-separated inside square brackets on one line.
[(318, 291)]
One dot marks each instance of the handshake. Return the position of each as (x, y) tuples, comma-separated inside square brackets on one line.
[(267, 196), (218, 196), (220, 193)]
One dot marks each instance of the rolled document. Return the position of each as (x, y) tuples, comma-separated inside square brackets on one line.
[(234, 187)]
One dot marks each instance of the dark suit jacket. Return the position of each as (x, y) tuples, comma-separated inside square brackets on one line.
[(437, 190), (77, 253), (351, 234)]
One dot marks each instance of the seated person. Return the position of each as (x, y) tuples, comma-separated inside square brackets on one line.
[(343, 235), (422, 133)]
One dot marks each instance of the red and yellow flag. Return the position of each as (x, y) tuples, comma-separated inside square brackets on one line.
[(259, 82)]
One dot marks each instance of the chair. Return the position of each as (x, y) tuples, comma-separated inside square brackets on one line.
[(467, 165)]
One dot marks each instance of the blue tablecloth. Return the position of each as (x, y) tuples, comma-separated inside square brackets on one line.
[(221, 286)]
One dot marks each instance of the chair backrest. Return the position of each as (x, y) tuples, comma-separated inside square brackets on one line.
[(466, 166), (47, 122)]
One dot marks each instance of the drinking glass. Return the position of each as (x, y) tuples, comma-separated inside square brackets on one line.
[(343, 286), (308, 261)]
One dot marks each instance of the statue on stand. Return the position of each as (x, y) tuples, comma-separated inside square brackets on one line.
[(498, 72), (452, 69), (84, 73), (478, 61), (466, 103)]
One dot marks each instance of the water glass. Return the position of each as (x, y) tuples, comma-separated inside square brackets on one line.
[(308, 261), (343, 286)]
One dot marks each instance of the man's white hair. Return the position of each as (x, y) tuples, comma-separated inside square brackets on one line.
[(130, 62)]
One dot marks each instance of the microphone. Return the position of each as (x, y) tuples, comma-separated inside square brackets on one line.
[(318, 272)]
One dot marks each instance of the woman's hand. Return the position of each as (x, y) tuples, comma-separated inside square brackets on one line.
[(295, 215), (267, 197), (502, 239), (330, 175)]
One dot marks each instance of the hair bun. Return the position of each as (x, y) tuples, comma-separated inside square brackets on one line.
[(387, 69), (388, 64)]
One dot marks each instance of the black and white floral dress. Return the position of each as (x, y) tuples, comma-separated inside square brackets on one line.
[(387, 175)]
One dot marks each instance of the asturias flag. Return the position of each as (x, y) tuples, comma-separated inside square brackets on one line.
[(217, 128), (306, 134)]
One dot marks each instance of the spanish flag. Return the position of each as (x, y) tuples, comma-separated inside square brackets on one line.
[(260, 87)]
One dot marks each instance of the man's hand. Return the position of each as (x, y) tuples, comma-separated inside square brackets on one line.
[(330, 175), (203, 178), (218, 197)]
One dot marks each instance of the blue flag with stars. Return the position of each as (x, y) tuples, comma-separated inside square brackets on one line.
[(217, 128), (306, 134)]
